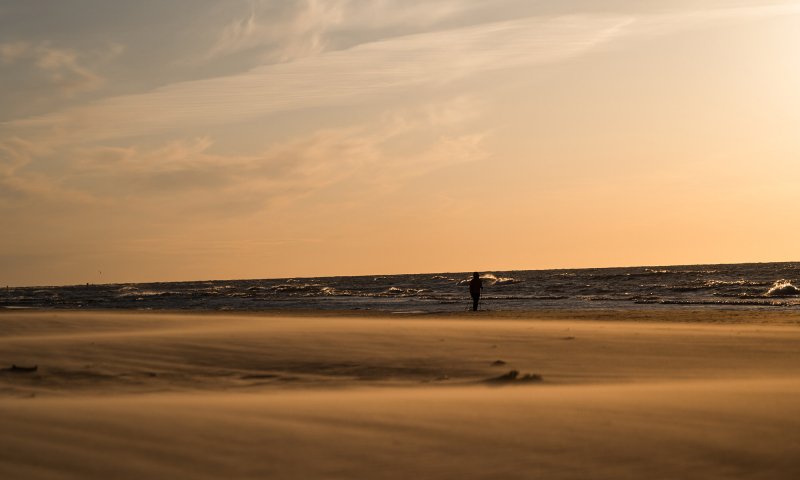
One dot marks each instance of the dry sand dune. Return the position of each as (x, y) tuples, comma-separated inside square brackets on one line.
[(344, 396)]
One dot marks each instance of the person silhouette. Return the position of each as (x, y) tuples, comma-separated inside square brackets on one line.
[(475, 287)]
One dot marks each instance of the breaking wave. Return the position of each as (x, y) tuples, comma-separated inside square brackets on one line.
[(404, 292), (733, 283), (490, 279), (783, 288)]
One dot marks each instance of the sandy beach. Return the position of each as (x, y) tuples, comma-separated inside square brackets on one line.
[(399, 240), (670, 394)]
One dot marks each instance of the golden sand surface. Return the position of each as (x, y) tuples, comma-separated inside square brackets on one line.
[(663, 394)]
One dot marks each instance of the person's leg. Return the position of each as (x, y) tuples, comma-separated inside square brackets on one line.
[(475, 300)]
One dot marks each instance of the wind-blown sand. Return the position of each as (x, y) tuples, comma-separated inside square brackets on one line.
[(634, 395)]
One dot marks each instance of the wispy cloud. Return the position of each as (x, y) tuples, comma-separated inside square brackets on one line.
[(308, 27), (63, 68), (174, 172), (364, 72), (18, 184), (13, 51), (335, 78), (667, 23), (359, 74), (298, 35)]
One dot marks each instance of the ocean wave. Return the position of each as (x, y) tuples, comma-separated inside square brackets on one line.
[(687, 288), (783, 288), (754, 303), (525, 297), (491, 280), (293, 288), (733, 283), (219, 288), (607, 299), (403, 292), (145, 293), (699, 286), (752, 284), (667, 271)]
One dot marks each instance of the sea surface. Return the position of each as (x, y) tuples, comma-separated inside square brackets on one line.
[(757, 285)]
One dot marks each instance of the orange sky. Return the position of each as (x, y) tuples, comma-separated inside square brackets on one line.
[(199, 140)]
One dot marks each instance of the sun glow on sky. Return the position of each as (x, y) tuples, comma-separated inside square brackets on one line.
[(208, 140)]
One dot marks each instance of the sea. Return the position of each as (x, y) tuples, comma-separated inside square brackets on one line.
[(752, 285)]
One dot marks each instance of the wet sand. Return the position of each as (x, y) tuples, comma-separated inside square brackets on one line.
[(682, 394)]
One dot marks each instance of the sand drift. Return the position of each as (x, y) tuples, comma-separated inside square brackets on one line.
[(348, 396)]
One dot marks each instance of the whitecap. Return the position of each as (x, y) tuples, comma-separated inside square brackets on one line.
[(493, 280), (490, 279), (783, 288)]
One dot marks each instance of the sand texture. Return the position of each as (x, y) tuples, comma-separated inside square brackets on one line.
[(626, 395)]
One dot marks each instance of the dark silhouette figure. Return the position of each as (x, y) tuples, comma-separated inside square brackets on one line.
[(475, 287)]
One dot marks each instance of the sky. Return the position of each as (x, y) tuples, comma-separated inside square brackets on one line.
[(197, 139)]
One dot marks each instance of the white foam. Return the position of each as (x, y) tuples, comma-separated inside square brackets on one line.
[(783, 288), (491, 279)]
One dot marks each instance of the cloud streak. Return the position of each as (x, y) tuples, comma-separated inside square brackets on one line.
[(335, 78), (301, 34), (62, 68), (302, 28), (363, 72), (137, 177)]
